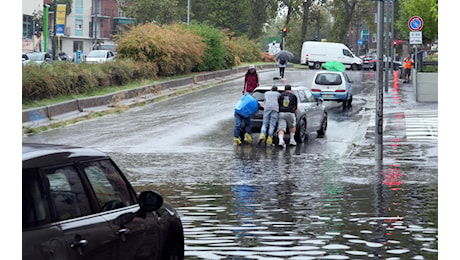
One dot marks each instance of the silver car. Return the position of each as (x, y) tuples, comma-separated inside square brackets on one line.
[(311, 114)]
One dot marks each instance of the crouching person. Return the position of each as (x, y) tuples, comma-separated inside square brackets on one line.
[(244, 109), (286, 118)]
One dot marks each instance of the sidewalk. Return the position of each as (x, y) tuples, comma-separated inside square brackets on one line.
[(410, 128)]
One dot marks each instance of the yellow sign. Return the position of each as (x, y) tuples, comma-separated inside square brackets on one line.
[(60, 14)]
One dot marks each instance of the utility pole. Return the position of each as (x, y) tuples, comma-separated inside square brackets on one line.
[(388, 63), (45, 28), (379, 86)]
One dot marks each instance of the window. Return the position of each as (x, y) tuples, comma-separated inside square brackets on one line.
[(78, 24), (347, 53), (302, 97), (35, 206), (77, 45), (310, 97), (110, 188), (67, 193)]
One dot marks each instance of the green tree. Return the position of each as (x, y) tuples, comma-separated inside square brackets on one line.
[(427, 10), (158, 11)]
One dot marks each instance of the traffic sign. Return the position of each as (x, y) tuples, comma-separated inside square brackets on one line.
[(415, 38), (360, 42), (415, 23)]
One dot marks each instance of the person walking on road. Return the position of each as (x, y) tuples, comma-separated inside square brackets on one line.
[(408, 63), (251, 80), (271, 109), (282, 65), (287, 102)]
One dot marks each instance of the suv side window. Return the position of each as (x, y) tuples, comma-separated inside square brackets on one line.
[(110, 188), (35, 206), (67, 193)]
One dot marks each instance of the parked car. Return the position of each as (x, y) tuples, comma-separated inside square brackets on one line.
[(370, 63), (25, 59), (99, 56), (333, 86), (39, 57), (311, 114), (65, 57), (77, 204)]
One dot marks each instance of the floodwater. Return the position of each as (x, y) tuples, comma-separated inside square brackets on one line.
[(324, 199)]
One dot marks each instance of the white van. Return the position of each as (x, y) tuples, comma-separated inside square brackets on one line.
[(316, 53)]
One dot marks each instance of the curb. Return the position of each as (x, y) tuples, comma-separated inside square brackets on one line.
[(42, 116)]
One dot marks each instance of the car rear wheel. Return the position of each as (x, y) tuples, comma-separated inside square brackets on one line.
[(301, 131), (317, 65), (322, 131)]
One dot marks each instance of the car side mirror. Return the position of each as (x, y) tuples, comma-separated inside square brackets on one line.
[(150, 201)]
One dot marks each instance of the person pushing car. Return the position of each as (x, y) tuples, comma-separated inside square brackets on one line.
[(286, 118)]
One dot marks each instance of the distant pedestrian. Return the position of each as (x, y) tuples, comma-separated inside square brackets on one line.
[(282, 65), (271, 109), (408, 63), (287, 119), (251, 80)]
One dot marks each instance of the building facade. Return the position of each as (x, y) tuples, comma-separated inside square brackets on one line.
[(88, 25)]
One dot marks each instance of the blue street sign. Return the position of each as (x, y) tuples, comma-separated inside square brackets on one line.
[(415, 23), (360, 42)]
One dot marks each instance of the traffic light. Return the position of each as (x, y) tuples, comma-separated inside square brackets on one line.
[(284, 31), (395, 43)]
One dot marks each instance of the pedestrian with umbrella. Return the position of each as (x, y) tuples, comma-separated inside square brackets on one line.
[(282, 58)]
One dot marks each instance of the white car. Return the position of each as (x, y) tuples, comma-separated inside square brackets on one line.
[(333, 86), (99, 56)]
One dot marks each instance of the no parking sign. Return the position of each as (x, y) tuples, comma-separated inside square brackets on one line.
[(415, 23)]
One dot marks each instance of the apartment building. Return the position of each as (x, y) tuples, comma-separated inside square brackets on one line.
[(88, 24)]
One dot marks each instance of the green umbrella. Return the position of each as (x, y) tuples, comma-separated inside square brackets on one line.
[(334, 66)]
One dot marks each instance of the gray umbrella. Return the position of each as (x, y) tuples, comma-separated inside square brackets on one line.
[(284, 55)]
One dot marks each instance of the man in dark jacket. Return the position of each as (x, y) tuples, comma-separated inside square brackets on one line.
[(286, 118)]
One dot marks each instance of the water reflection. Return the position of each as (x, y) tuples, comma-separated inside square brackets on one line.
[(261, 203)]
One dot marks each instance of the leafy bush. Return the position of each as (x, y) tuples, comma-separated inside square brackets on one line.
[(214, 57), (173, 48), (64, 79)]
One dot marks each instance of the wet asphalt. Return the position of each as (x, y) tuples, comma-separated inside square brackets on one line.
[(324, 199)]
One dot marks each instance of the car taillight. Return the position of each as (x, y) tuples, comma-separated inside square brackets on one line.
[(372, 61), (341, 90), (314, 89), (306, 57)]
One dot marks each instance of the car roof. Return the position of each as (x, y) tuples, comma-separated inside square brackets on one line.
[(280, 88), (330, 72), (42, 155)]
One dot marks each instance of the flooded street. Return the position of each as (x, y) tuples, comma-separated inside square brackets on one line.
[(324, 199)]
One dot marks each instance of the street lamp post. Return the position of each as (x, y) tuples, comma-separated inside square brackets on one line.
[(379, 86)]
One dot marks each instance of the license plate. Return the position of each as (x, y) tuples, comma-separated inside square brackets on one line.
[(328, 96)]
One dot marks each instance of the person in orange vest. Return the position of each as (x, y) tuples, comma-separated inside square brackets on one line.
[(408, 63)]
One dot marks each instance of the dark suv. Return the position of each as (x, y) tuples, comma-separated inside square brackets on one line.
[(77, 204)]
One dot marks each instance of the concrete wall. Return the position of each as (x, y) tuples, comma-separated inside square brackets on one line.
[(426, 87)]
